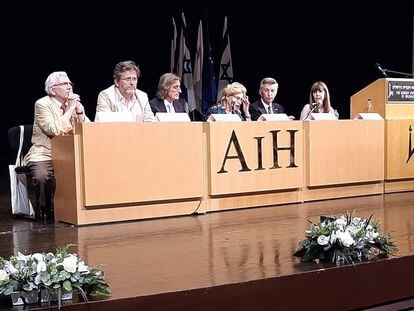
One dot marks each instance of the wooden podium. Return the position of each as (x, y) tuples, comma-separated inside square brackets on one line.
[(393, 99), (123, 171)]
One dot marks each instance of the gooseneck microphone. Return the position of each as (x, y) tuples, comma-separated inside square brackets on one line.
[(378, 66), (313, 106), (385, 71)]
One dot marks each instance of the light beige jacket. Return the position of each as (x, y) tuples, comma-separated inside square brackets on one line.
[(48, 122), (110, 100)]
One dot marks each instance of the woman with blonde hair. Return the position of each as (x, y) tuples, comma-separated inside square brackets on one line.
[(233, 99), (319, 101)]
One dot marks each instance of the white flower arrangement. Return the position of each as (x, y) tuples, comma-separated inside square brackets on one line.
[(60, 271), (344, 240)]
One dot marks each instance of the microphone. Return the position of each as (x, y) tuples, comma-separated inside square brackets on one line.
[(232, 103), (233, 111), (313, 106), (378, 66)]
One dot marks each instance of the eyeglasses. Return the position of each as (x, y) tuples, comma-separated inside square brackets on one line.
[(133, 79), (64, 84)]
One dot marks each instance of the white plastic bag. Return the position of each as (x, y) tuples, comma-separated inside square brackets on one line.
[(20, 202)]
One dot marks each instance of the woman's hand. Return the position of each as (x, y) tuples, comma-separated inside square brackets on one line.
[(246, 106)]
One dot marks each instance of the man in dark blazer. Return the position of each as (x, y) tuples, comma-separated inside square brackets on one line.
[(168, 94), (265, 105)]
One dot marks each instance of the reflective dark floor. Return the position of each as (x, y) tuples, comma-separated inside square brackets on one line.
[(172, 254)]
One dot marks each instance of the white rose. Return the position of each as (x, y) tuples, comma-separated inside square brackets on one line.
[(340, 223), (323, 240), (37, 279), (38, 257), (372, 235), (70, 263), (3, 275), (20, 256), (10, 268), (346, 239), (41, 267), (356, 221), (352, 230), (82, 267), (334, 236)]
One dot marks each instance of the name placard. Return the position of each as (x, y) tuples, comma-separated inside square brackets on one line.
[(172, 117), (401, 91), (322, 116), (224, 117), (274, 117), (368, 116)]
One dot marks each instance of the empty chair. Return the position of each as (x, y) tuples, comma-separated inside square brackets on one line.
[(20, 174)]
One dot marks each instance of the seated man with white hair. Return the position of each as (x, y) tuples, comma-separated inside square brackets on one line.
[(55, 114)]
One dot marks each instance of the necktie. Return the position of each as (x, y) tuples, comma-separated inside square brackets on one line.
[(72, 119), (269, 110), (168, 108)]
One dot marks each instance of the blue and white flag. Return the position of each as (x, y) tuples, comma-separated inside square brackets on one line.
[(174, 54), (185, 69), (209, 76), (226, 64)]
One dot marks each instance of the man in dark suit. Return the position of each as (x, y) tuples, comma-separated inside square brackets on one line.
[(168, 94), (265, 105)]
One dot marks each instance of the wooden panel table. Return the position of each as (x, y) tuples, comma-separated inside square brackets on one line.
[(343, 158), (121, 171), (399, 170), (253, 164)]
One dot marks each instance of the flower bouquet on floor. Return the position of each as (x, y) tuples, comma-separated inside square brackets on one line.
[(345, 240), (42, 277)]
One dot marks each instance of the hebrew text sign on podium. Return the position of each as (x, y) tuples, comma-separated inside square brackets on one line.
[(401, 91)]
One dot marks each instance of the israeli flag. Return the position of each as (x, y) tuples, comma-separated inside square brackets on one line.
[(185, 69), (226, 64)]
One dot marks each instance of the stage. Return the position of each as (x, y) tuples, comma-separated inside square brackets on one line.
[(238, 259)]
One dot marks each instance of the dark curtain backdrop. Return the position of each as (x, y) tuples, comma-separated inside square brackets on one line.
[(298, 42)]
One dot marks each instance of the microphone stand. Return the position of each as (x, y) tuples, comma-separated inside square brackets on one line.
[(310, 111), (399, 73)]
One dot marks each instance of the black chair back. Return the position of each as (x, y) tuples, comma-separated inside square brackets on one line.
[(14, 140)]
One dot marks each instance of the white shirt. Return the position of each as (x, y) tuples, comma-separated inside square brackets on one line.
[(267, 107), (169, 106), (123, 105)]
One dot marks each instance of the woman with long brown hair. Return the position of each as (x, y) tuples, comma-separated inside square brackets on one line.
[(319, 101)]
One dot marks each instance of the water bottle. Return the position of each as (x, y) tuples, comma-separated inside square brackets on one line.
[(369, 107)]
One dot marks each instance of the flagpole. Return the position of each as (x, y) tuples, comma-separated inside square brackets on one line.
[(173, 57)]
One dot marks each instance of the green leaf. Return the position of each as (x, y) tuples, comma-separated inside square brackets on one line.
[(67, 286), (63, 275), (8, 290), (76, 275), (27, 287)]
